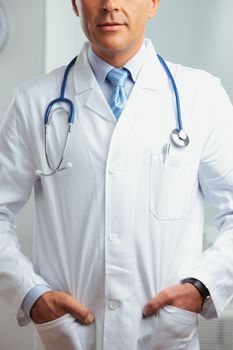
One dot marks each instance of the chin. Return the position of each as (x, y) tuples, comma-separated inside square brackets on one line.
[(112, 45)]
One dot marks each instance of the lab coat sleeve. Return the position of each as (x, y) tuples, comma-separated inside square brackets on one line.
[(215, 266), (17, 277)]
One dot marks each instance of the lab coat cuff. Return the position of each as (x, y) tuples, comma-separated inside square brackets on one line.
[(22, 291), (34, 294)]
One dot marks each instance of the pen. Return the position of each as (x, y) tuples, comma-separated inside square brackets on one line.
[(166, 151)]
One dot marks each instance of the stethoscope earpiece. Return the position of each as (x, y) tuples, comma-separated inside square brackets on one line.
[(68, 165), (38, 172)]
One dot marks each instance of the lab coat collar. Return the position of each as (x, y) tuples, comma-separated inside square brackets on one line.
[(85, 82), (102, 68), (83, 76), (152, 75)]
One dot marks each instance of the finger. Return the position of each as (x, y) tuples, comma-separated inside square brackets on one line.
[(155, 304), (78, 310)]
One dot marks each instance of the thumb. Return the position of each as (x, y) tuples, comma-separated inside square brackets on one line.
[(155, 304), (78, 310)]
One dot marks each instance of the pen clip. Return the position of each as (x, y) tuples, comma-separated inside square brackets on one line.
[(166, 151)]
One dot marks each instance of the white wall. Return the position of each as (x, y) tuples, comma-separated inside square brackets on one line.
[(20, 60)]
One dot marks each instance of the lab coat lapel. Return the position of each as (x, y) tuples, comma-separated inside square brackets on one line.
[(97, 103), (144, 110), (152, 75), (85, 84)]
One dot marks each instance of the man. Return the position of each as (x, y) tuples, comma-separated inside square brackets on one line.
[(118, 261)]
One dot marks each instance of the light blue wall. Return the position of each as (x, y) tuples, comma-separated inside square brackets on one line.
[(197, 33)]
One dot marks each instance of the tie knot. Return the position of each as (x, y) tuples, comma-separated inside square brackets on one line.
[(118, 76)]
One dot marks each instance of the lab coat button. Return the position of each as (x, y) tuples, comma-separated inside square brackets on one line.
[(113, 169), (113, 237), (114, 305)]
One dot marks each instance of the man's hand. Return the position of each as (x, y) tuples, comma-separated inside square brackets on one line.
[(184, 296), (52, 305)]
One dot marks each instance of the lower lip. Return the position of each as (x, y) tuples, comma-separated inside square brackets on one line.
[(112, 28)]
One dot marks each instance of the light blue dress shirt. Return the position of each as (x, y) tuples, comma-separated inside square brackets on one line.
[(100, 69)]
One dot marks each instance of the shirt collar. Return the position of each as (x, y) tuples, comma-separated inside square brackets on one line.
[(101, 68)]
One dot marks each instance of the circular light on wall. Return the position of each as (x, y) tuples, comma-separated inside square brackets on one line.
[(3, 28)]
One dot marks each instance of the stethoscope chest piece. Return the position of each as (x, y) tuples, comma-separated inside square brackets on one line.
[(179, 138)]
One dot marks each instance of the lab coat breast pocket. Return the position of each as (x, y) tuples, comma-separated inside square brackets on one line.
[(171, 187)]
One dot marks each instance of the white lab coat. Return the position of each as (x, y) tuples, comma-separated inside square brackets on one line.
[(121, 225)]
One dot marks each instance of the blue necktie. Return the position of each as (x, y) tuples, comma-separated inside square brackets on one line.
[(118, 78)]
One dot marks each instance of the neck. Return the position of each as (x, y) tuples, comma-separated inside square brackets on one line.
[(117, 58)]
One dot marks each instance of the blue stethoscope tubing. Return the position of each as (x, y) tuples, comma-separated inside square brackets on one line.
[(62, 97), (47, 119), (178, 136)]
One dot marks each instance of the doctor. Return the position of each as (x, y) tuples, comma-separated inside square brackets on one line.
[(118, 262)]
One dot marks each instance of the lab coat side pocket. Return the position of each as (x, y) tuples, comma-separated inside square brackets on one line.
[(171, 187), (58, 334), (177, 329)]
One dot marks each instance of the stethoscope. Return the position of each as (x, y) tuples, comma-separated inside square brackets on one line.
[(178, 136)]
